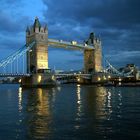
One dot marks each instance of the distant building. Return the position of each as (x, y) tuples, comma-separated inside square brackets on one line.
[(58, 71), (132, 69)]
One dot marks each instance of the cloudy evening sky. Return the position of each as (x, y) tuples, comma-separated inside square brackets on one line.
[(117, 22)]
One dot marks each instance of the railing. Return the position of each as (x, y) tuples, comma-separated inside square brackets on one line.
[(14, 74)]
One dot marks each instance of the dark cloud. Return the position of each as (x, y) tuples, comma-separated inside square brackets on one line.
[(122, 13), (7, 24), (12, 34), (11, 5), (121, 57), (11, 25)]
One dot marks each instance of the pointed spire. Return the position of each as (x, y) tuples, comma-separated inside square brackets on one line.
[(45, 28), (92, 35), (37, 23), (27, 29)]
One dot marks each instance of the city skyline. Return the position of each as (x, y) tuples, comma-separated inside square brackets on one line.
[(116, 22)]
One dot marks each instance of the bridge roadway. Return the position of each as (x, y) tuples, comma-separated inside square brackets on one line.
[(14, 74), (87, 76), (73, 45)]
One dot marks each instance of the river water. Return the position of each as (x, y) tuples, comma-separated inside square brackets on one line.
[(69, 112)]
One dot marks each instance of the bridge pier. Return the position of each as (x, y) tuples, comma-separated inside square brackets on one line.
[(38, 80)]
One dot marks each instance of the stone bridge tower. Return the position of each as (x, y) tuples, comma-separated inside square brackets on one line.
[(37, 57), (93, 58)]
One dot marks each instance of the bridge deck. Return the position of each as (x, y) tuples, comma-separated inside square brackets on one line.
[(72, 74), (14, 74)]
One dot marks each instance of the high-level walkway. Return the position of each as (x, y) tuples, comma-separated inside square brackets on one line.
[(69, 45)]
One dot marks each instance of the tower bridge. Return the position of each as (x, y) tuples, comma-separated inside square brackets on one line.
[(34, 58), (38, 57)]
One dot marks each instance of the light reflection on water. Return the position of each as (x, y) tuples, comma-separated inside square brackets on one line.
[(39, 116), (69, 112), (20, 99), (79, 106)]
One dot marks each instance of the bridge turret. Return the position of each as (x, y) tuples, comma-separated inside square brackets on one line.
[(93, 40), (27, 31), (36, 25), (45, 29)]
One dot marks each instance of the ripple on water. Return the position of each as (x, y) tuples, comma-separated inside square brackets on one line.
[(70, 112)]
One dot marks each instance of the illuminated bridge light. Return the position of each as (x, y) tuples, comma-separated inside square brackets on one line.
[(99, 79), (109, 76), (78, 79), (39, 78), (104, 78), (120, 79), (19, 81)]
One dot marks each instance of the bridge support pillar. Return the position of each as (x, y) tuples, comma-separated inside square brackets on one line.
[(92, 61), (38, 80), (93, 57), (89, 65)]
